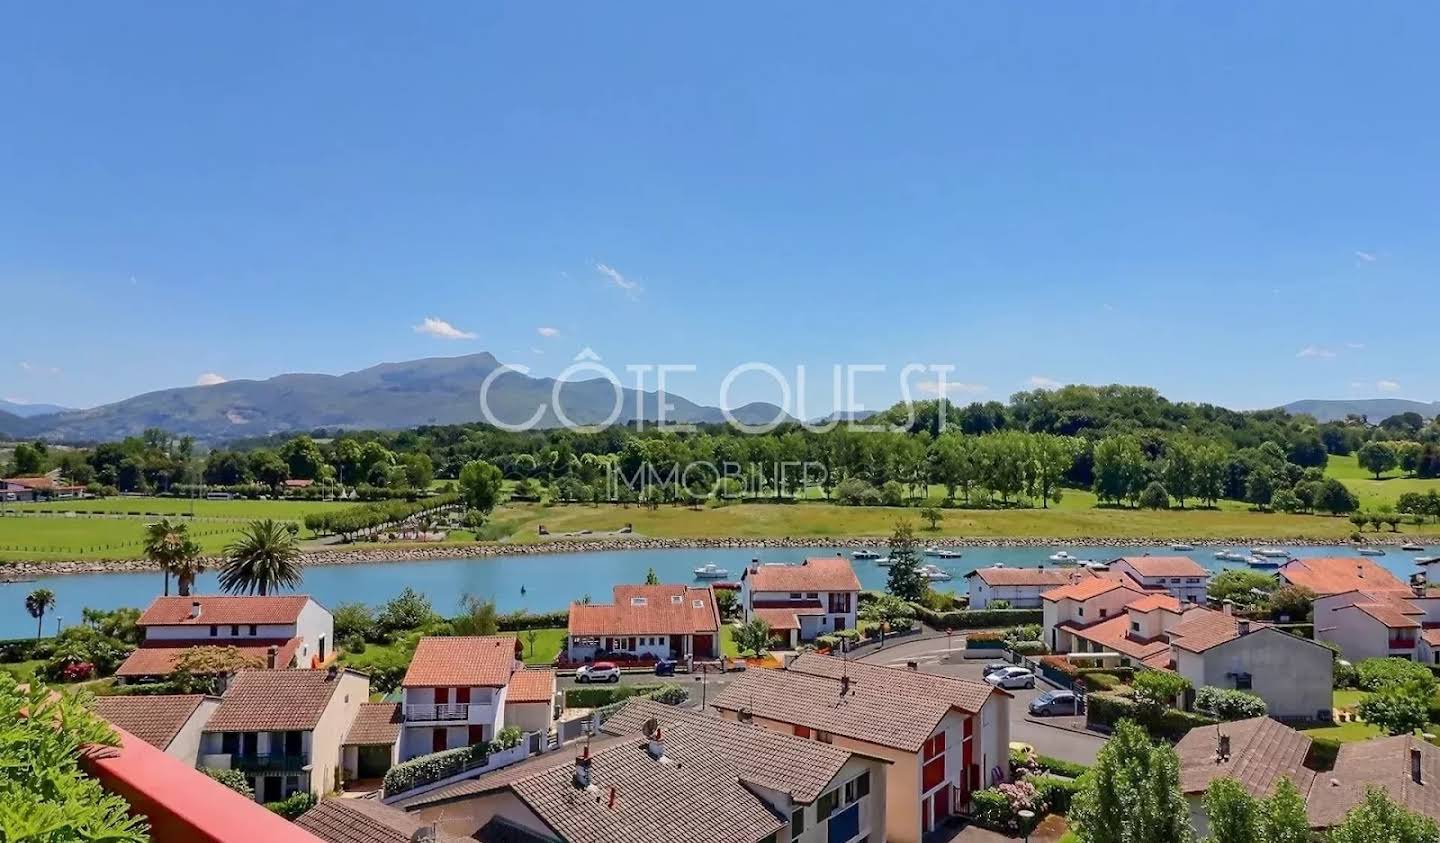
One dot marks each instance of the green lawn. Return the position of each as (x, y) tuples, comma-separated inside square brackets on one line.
[(23, 671), (143, 506), (728, 647), (1370, 491), (1346, 732), (546, 647), (1348, 698)]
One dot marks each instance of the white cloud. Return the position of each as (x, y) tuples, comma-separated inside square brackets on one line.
[(1315, 352), (534, 350), (1355, 345), (441, 329), (934, 388), (630, 287), (547, 331), (210, 379), (26, 365), (1387, 386), (1363, 256), (1042, 382)]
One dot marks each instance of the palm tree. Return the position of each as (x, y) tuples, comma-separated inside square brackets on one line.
[(37, 603), (265, 558), (169, 545)]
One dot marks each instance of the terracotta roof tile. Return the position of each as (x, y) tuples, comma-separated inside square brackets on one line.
[(1114, 634), (829, 574), (531, 686), (1262, 751), (665, 610), (1031, 576), (462, 661), (1088, 588), (223, 609), (1200, 629), (274, 701), (155, 720), (159, 659), (888, 706), (1164, 566), (1382, 763), (1431, 636), (1337, 575), (375, 723), (363, 821), (780, 620), (1387, 613), (1152, 602)]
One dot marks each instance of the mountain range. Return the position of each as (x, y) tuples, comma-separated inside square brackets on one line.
[(390, 396), (1374, 409), (26, 411)]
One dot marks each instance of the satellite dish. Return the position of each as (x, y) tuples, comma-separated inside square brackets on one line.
[(651, 727)]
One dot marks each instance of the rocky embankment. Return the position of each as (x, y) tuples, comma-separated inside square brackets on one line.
[(358, 554)]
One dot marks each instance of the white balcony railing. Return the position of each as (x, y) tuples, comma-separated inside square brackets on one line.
[(438, 712)]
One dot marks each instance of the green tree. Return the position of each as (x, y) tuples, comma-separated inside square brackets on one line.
[(905, 579), (45, 796), (1156, 690), (1285, 500), (233, 779), (168, 545), (1282, 816), (477, 617), (1233, 813), (1260, 488), (933, 515), (480, 484), (1155, 496), (27, 460), (753, 637), (1336, 498), (887, 610), (419, 470), (1181, 471), (263, 559), (1292, 601), (1052, 457), (1376, 457), (1379, 820), (302, 457), (1119, 468), (728, 602), (406, 611), (202, 670), (652, 578), (1397, 710), (1132, 793), (1240, 585), (37, 603)]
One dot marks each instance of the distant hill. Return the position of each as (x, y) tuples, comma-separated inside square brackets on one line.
[(1374, 409), (390, 396), (26, 411)]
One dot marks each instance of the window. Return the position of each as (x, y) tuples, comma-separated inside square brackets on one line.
[(214, 630), (637, 601), (827, 805), (1242, 682), (252, 630), (935, 745), (797, 823), (862, 786), (699, 604), (794, 595), (773, 838), (1192, 580), (1175, 580), (1134, 626), (1080, 611), (234, 630), (824, 737), (1103, 612), (813, 595), (677, 599)]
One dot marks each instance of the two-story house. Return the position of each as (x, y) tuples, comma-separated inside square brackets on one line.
[(801, 602), (1179, 576), (284, 729), (1339, 574), (459, 691), (280, 631), (172, 723), (1379, 624), (1020, 588), (680, 622), (658, 773), (1079, 604), (944, 737)]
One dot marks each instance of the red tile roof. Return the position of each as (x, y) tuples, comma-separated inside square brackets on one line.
[(375, 723), (1114, 634), (224, 609), (340, 820), (158, 659), (830, 574), (1030, 576), (530, 686), (780, 620), (1262, 751), (1387, 613), (1152, 602), (1200, 629), (1088, 588), (274, 700), (1164, 566), (649, 610), (155, 720), (1337, 575), (461, 662), (40, 484)]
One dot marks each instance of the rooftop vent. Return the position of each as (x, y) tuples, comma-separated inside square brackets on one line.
[(195, 609), (1416, 775)]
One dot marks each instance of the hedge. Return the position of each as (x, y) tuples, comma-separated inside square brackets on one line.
[(1101, 681), (1322, 753), (600, 696), (1105, 709), (666, 694), (976, 618), (408, 775), (1029, 648), (1061, 767), (523, 620), (1228, 704), (977, 642), (1055, 792), (291, 808)]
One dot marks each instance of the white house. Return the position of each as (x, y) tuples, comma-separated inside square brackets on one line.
[(1339, 574), (801, 602), (1081, 603), (678, 622), (281, 631), (172, 723), (943, 737), (1376, 624), (457, 692), (1019, 587), (1179, 576)]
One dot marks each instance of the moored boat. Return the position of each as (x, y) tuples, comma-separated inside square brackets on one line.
[(1270, 552), (1412, 547), (1371, 551), (711, 571), (866, 554), (942, 553), (935, 573)]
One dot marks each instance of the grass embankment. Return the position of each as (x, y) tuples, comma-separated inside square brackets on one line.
[(1371, 492)]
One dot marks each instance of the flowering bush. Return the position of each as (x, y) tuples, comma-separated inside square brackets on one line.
[(1060, 664), (77, 671), (999, 807)]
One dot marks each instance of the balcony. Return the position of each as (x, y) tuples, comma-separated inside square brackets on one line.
[(437, 713), (268, 763), (1402, 643)]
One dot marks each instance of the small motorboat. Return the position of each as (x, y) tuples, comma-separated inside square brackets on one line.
[(866, 554), (934, 573), (1426, 560), (1264, 562), (1231, 556), (711, 571), (1095, 566), (942, 553), (1371, 551), (1412, 547), (1182, 547), (883, 561), (1270, 552), (1063, 556)]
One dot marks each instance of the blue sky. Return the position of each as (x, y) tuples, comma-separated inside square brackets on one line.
[(1236, 205)]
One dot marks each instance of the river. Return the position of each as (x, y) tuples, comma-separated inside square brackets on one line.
[(550, 581)]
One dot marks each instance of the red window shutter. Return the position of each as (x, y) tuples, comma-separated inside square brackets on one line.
[(442, 696), (802, 732), (933, 774), (477, 735), (462, 695)]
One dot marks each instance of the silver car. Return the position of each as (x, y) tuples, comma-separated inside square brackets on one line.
[(1011, 678), (1055, 703)]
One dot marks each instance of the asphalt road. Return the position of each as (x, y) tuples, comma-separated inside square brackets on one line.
[(946, 658)]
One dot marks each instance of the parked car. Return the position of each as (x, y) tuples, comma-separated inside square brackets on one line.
[(665, 667), (1055, 703), (995, 667), (597, 672), (1012, 677)]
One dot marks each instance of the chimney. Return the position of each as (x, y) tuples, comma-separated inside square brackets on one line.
[(582, 769), (271, 653), (844, 684), (611, 806), (656, 749), (1418, 588), (1228, 607), (1222, 748), (332, 672), (1415, 775), (1242, 626), (194, 609), (913, 665)]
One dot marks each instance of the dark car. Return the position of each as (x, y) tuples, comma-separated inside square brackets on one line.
[(1055, 703), (665, 667)]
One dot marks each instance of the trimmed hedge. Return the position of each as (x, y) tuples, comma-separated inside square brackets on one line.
[(1055, 792), (1101, 681), (293, 807), (983, 642), (1029, 648), (599, 696), (522, 620), (976, 618), (1105, 709), (408, 775), (1229, 704)]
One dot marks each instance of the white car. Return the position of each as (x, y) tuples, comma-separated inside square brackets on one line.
[(1011, 678), (597, 672)]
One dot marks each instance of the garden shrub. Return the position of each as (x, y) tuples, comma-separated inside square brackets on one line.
[(1106, 708), (999, 807), (1101, 681), (292, 807), (1380, 673), (1322, 753), (603, 695), (976, 618), (671, 694), (1029, 648), (233, 779), (522, 620), (1054, 792), (1229, 704), (827, 642)]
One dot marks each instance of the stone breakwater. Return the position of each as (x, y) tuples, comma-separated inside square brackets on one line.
[(361, 554)]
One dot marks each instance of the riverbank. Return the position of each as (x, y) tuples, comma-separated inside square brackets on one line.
[(362, 554)]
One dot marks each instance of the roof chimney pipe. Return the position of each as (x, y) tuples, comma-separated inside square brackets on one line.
[(1222, 748), (1228, 607), (582, 769), (1416, 775), (271, 654), (657, 750), (194, 609)]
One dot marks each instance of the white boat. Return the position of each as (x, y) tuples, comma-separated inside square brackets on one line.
[(1096, 566), (1426, 560), (1371, 551), (711, 571), (1232, 556), (866, 554), (883, 561), (1182, 547), (1063, 556), (1264, 562), (1412, 547), (1270, 552), (942, 553), (935, 573)]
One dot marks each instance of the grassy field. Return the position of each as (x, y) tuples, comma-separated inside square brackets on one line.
[(1372, 492), (147, 506)]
